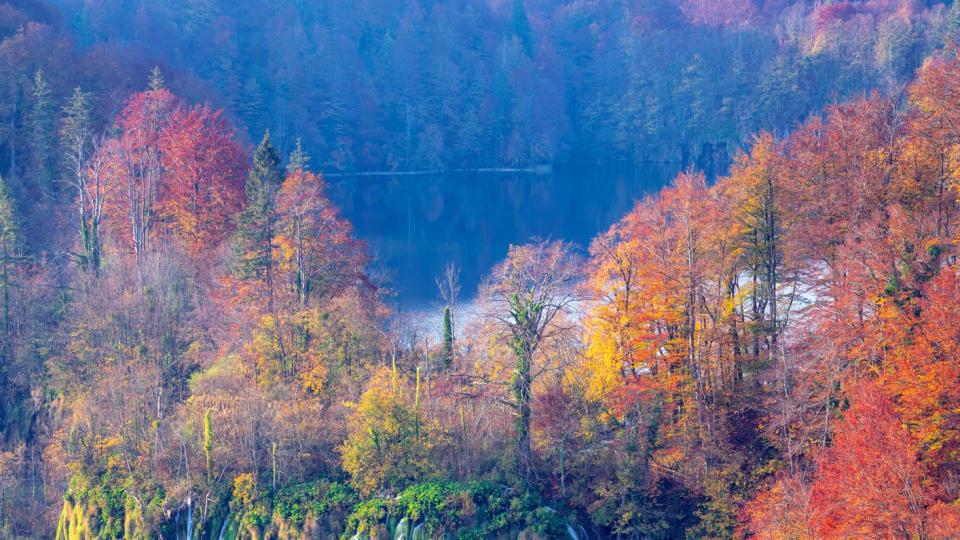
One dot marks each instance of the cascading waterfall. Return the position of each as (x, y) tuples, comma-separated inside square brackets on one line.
[(222, 529), (403, 530), (576, 534), (189, 534)]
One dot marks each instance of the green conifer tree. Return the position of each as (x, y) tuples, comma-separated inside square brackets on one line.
[(299, 160), (447, 337), (253, 240)]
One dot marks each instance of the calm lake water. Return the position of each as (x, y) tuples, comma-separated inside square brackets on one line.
[(415, 225)]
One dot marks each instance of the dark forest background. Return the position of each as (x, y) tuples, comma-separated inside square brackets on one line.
[(412, 85)]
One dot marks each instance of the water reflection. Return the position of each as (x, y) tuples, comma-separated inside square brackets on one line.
[(416, 224)]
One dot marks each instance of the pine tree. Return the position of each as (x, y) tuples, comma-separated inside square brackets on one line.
[(299, 160), (253, 240), (42, 130), (447, 337), (156, 79), (266, 164)]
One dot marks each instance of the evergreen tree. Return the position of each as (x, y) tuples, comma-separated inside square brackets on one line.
[(299, 160), (447, 337), (266, 169), (156, 79), (42, 129), (253, 240)]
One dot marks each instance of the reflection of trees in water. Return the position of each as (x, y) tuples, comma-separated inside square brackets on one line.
[(418, 224)]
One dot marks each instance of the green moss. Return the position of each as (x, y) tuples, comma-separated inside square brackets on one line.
[(468, 510), (294, 503)]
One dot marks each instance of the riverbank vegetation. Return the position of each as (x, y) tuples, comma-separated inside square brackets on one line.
[(195, 343)]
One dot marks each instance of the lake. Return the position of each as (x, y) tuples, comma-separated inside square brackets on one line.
[(415, 225)]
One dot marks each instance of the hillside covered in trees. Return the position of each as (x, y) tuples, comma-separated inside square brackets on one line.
[(412, 85), (194, 343)]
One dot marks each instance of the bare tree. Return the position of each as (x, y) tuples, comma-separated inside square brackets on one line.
[(84, 165), (532, 295), (448, 284)]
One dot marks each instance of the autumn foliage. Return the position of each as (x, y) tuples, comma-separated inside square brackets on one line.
[(202, 183), (773, 353), (173, 169), (804, 303)]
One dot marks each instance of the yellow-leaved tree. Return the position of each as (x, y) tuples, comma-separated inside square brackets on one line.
[(391, 443)]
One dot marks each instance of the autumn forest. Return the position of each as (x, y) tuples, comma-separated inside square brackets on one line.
[(196, 343)]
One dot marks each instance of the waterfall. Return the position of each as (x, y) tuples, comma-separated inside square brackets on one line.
[(419, 533), (189, 518), (403, 530), (573, 534), (223, 527)]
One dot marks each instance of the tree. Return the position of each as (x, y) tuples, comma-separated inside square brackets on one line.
[(9, 259), (208, 441), (449, 286), (156, 80), (687, 210), (530, 294), (718, 13), (202, 177), (316, 247), (42, 131), (253, 242), (389, 444), (136, 167), (447, 351), (869, 481), (78, 146)]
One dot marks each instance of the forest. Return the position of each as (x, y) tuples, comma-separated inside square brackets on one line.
[(195, 343), (413, 84)]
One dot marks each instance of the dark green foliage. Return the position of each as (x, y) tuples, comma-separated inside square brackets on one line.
[(328, 503), (471, 510), (253, 240), (447, 351), (112, 501)]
